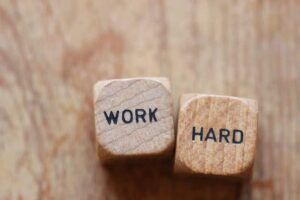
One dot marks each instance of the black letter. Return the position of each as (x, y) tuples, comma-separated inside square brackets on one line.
[(130, 118), (137, 115), (152, 114), (111, 117), (225, 136), (241, 137), (211, 135), (194, 133)]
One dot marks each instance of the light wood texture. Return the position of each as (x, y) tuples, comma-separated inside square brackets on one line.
[(216, 135), (52, 52), (134, 118)]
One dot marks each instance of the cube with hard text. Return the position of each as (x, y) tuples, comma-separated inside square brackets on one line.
[(133, 118), (216, 135)]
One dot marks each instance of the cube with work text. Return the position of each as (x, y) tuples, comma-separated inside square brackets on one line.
[(133, 118), (216, 135)]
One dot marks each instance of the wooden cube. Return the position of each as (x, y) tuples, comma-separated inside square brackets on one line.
[(216, 135), (134, 118)]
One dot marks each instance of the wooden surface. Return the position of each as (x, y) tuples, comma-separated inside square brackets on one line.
[(52, 52), (216, 135), (134, 118)]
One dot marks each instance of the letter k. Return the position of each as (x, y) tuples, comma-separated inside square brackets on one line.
[(152, 115)]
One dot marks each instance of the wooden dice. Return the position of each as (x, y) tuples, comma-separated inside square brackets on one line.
[(133, 118), (216, 135)]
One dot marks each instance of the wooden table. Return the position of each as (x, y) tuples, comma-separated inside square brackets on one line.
[(51, 53)]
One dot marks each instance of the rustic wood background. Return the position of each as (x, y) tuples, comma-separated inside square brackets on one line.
[(51, 53)]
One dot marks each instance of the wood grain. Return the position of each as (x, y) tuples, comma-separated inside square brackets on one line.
[(52, 52), (216, 136)]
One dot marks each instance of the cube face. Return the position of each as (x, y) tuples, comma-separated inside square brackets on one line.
[(216, 135), (133, 117)]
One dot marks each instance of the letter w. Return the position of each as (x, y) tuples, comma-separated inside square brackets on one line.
[(111, 117)]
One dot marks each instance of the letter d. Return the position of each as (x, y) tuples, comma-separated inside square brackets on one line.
[(234, 137)]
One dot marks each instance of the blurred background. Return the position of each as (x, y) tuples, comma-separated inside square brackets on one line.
[(52, 52)]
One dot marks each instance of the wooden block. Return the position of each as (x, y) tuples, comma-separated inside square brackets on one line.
[(133, 118), (216, 135)]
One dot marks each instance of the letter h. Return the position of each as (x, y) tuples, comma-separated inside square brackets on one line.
[(194, 133)]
